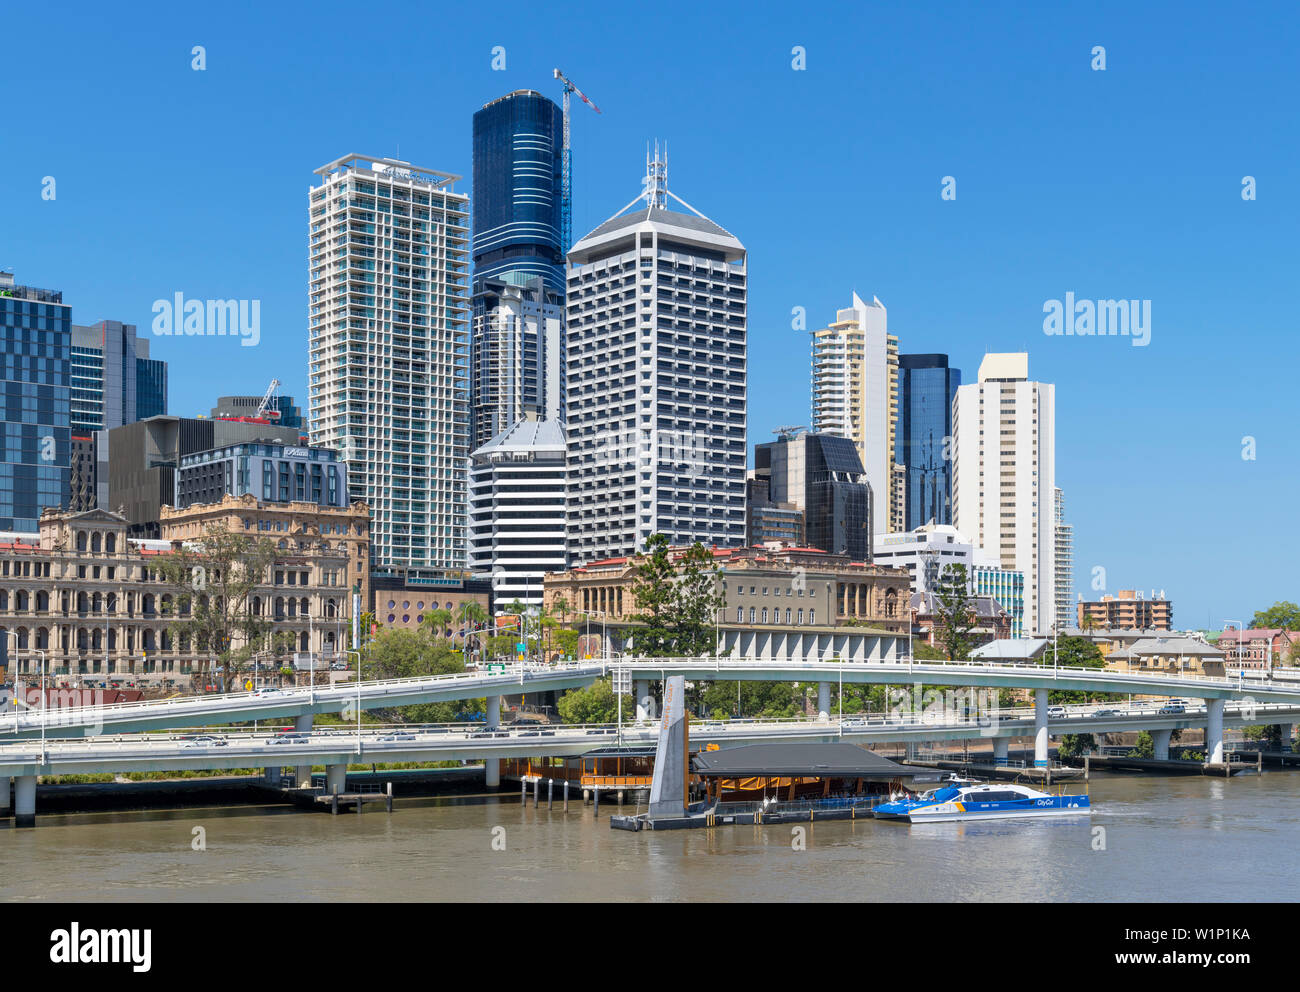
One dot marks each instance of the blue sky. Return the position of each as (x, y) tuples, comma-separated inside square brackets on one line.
[(1123, 183)]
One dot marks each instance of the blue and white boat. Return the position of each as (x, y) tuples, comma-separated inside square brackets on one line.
[(962, 799)]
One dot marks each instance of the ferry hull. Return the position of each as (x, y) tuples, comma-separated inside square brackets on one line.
[(946, 812)]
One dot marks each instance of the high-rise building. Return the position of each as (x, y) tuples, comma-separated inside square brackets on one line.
[(389, 314), (926, 389), (1004, 476), (822, 475), (114, 382), (271, 472), (855, 395), (36, 412), (656, 374), (517, 516), (1064, 535), (516, 355), (518, 148)]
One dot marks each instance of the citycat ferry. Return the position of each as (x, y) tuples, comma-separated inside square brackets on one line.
[(962, 799)]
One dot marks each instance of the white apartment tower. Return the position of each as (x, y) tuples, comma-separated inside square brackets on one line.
[(855, 395), (389, 313), (656, 379), (517, 509), (1004, 476), (1065, 612)]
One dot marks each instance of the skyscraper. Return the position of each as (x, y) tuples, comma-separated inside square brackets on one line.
[(517, 158), (114, 382), (1065, 613), (388, 329), (1004, 476), (855, 395), (926, 389), (35, 416), (516, 354), (656, 379), (822, 475)]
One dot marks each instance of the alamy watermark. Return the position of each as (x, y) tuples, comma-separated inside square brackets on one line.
[(209, 318), (1099, 318)]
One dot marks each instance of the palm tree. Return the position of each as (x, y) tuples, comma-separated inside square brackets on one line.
[(470, 614)]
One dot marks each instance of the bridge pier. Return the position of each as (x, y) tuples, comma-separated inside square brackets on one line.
[(1040, 728), (25, 801), (644, 701), (492, 766), (1214, 731), (1161, 740), (1287, 729), (336, 779), (302, 773), (6, 783), (823, 701), (1001, 748)]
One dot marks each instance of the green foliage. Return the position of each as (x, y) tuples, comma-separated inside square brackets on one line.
[(1077, 652), (1145, 748), (769, 699), (1075, 745), (676, 604), (954, 615), (396, 653), (1281, 614), (595, 703), (922, 651)]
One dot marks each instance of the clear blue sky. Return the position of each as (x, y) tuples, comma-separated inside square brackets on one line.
[(1121, 183)]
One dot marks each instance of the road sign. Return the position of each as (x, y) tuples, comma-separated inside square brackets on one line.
[(248, 685), (496, 669), (519, 646)]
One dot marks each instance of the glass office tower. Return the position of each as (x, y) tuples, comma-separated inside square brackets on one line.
[(35, 403), (926, 387), (516, 194), (822, 475)]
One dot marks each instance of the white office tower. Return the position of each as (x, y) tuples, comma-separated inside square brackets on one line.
[(516, 354), (1004, 476), (656, 333), (1065, 612), (389, 315), (855, 395), (517, 509)]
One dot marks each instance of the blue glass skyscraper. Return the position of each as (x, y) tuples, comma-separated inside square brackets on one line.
[(35, 403), (518, 150), (926, 387)]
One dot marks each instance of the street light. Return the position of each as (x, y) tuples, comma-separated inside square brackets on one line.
[(357, 652)]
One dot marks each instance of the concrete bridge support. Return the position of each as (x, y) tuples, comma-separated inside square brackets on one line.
[(492, 766), (645, 702), (302, 773), (1214, 731), (824, 701), (1001, 745), (1161, 739), (25, 801), (5, 784), (1040, 728), (336, 776), (1288, 729)]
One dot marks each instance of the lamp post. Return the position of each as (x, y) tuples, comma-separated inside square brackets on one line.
[(357, 652)]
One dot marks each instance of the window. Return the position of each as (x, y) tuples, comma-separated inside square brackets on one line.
[(740, 614)]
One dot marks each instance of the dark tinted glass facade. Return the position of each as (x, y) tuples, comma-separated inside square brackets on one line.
[(836, 498), (517, 182), (926, 388), (35, 405), (150, 388)]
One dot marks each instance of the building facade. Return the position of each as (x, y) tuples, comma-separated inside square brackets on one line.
[(821, 475), (1260, 647), (926, 389), (273, 473), (36, 413), (516, 354), (286, 413), (518, 484), (1004, 472), (656, 380), (96, 604), (518, 149), (388, 332), (1064, 560), (855, 395), (1127, 610)]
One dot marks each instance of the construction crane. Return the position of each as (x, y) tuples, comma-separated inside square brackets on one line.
[(264, 409), (787, 433), (566, 164)]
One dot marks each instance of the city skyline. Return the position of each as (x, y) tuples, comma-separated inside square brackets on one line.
[(1020, 234)]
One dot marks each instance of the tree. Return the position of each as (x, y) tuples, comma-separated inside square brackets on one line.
[(1146, 747), (595, 703), (954, 618), (1281, 614), (1075, 745), (214, 580), (401, 654), (696, 603), (654, 594), (1076, 652)]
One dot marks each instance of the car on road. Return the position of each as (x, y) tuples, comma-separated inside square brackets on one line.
[(266, 690), (400, 735), (1055, 711), (290, 739), (1172, 708), (203, 740), (1105, 713)]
